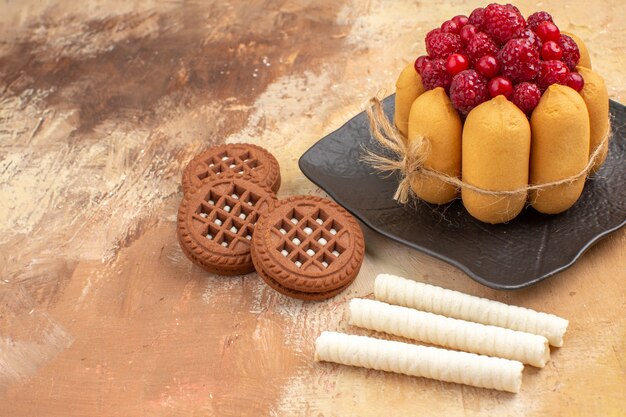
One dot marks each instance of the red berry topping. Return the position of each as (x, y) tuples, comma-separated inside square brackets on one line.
[(552, 72), (500, 86), (519, 60), (432, 33), (468, 90), (526, 96), (513, 7), (460, 20), (488, 66), (502, 21), (441, 44), (477, 17), (450, 27), (467, 32), (479, 46), (551, 50), (537, 18), (420, 62), (571, 54), (456, 63), (530, 36), (575, 81), (434, 75), (547, 31)]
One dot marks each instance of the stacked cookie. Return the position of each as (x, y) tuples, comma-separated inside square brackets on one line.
[(231, 223), (308, 247)]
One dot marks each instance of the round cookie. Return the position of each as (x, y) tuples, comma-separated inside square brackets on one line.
[(307, 296), (216, 223), (238, 158), (308, 247)]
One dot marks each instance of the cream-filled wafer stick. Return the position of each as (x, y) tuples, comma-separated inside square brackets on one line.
[(425, 297), (428, 362), (448, 332)]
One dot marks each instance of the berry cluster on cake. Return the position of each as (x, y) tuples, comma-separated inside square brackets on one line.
[(504, 103)]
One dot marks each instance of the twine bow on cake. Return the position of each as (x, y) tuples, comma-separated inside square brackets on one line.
[(408, 159)]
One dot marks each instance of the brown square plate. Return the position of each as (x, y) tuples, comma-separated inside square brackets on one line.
[(526, 250)]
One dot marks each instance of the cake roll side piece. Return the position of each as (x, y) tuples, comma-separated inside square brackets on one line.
[(596, 98), (561, 136), (436, 125), (451, 333), (408, 87), (449, 303), (428, 362), (495, 154)]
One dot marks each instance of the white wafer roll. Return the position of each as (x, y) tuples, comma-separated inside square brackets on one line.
[(404, 292), (428, 362), (452, 333)]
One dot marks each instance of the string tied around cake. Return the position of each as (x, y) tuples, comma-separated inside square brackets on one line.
[(407, 159)]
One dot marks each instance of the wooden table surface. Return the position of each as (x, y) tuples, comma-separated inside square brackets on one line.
[(103, 102)]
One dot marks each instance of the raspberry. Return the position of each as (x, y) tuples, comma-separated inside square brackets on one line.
[(519, 60), (477, 17), (420, 62), (432, 33), (434, 75), (526, 96), (468, 90), (440, 44), (571, 54), (513, 7), (502, 21), (526, 33), (552, 72), (537, 18), (480, 45)]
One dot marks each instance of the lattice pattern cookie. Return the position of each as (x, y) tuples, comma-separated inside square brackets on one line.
[(239, 158), (308, 247), (216, 223)]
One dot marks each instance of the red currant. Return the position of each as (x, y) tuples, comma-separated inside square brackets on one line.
[(548, 31), (456, 63), (551, 50), (467, 32), (450, 27), (460, 20), (500, 85), (575, 81), (488, 66), (419, 63)]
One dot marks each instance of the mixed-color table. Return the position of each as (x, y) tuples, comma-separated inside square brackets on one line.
[(102, 103)]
